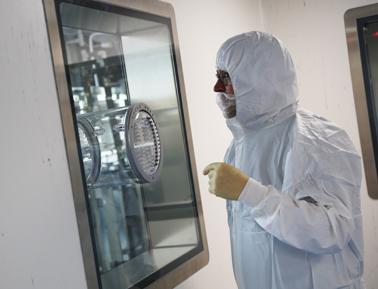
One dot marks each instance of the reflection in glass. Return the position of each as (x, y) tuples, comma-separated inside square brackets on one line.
[(371, 45), (370, 66), (90, 150)]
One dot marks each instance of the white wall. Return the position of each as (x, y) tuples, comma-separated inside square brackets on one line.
[(39, 243)]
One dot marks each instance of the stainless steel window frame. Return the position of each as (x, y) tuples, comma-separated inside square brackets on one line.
[(369, 159), (159, 8)]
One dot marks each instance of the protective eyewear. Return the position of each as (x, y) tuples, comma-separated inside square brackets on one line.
[(222, 76)]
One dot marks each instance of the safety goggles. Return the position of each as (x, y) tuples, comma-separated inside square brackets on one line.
[(222, 76)]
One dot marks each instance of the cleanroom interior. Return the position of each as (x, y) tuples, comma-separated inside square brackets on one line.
[(39, 239)]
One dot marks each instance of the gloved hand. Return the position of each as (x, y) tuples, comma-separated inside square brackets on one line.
[(225, 181)]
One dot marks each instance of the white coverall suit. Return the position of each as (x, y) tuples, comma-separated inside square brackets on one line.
[(297, 223)]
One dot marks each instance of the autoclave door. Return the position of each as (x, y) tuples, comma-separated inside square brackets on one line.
[(125, 120)]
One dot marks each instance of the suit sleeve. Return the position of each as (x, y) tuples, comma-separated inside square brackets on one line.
[(317, 222)]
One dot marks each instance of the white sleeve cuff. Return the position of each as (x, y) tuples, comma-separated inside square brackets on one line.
[(253, 193)]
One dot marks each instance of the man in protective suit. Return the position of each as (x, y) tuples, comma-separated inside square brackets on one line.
[(291, 178)]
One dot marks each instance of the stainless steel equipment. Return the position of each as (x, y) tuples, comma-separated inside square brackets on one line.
[(129, 147), (120, 146), (361, 25)]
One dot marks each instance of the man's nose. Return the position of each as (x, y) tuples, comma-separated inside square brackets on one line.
[(218, 87)]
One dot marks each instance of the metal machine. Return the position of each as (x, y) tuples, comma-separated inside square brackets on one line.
[(126, 125), (361, 25)]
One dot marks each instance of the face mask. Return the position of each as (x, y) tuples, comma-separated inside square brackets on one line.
[(227, 104)]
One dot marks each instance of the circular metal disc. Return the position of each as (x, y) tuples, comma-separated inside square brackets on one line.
[(143, 143)]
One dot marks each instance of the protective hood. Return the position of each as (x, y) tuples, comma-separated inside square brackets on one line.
[(263, 78)]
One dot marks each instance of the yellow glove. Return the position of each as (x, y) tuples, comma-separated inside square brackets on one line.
[(225, 181)]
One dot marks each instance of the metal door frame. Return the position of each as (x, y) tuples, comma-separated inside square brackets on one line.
[(350, 19)]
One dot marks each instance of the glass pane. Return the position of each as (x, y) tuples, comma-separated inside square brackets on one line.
[(141, 198), (371, 44), (369, 58)]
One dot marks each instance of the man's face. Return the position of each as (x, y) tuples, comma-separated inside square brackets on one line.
[(219, 87), (227, 102)]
